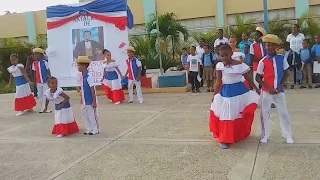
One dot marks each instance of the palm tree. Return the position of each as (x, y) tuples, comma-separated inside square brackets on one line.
[(242, 26), (39, 41), (279, 27), (168, 27)]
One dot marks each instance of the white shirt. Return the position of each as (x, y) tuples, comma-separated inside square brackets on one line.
[(194, 63), (199, 51), (218, 41), (295, 42)]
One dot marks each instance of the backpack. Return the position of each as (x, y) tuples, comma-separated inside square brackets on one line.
[(310, 60), (211, 57)]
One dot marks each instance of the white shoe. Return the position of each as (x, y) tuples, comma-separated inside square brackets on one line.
[(117, 103), (110, 101), (130, 101), (20, 113), (290, 140), (140, 102), (59, 136), (264, 140)]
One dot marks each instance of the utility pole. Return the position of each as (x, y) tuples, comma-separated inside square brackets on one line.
[(158, 36), (265, 15)]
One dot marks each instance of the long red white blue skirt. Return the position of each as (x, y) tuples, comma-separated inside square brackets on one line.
[(112, 87), (24, 99), (232, 113), (64, 122)]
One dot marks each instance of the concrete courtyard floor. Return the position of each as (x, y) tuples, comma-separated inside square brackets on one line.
[(165, 138)]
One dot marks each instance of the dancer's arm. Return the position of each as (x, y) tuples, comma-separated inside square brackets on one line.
[(218, 83), (249, 79), (10, 80), (66, 99)]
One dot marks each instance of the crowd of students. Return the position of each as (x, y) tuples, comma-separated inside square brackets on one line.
[(266, 65), (48, 89)]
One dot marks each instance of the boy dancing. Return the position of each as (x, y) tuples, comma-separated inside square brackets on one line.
[(272, 73), (134, 74), (40, 68), (88, 98)]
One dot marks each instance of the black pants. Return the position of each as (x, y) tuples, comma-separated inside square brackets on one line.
[(34, 88), (201, 74), (195, 84)]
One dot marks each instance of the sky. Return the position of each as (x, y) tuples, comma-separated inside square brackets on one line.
[(30, 5)]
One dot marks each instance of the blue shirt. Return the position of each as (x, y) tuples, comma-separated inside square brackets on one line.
[(305, 54), (247, 58), (316, 49), (207, 61), (242, 44), (184, 59), (216, 57)]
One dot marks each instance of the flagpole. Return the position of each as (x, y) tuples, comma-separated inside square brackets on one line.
[(158, 36)]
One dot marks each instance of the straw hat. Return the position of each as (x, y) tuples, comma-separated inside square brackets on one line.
[(130, 48), (38, 50), (271, 38), (83, 59), (262, 30)]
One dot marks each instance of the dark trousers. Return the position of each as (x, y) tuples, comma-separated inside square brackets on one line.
[(195, 84), (34, 88)]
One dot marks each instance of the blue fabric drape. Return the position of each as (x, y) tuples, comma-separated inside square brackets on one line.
[(97, 6)]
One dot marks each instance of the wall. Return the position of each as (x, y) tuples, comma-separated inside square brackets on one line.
[(13, 25), (40, 20), (136, 7)]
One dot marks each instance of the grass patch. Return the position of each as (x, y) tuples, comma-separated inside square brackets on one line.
[(5, 90)]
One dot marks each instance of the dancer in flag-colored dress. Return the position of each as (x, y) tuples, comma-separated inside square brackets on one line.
[(64, 122), (24, 100), (233, 105), (111, 82)]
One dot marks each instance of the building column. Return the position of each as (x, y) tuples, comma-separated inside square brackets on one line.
[(149, 8), (220, 13), (30, 27), (301, 6)]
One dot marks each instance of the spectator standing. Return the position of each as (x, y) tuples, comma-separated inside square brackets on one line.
[(194, 68), (208, 67), (295, 39), (30, 73), (244, 42), (306, 58), (316, 53), (199, 52), (183, 58), (221, 40), (294, 62)]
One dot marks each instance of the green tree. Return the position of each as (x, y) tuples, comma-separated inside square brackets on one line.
[(279, 27), (169, 27), (39, 41), (309, 24), (242, 26)]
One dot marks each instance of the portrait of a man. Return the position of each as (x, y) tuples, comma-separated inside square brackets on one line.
[(87, 45)]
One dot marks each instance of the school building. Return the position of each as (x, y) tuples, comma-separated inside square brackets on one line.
[(194, 14)]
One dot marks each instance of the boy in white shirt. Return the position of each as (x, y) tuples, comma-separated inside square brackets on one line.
[(194, 69)]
